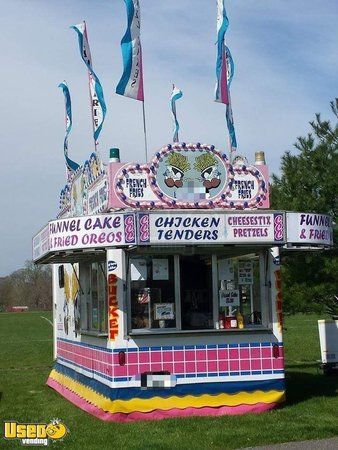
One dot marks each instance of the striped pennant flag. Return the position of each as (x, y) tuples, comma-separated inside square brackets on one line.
[(221, 90), (231, 127), (175, 95), (224, 71), (229, 116), (131, 82), (71, 165), (98, 104)]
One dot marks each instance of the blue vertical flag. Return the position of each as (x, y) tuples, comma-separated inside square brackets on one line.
[(224, 71), (229, 116), (98, 104), (175, 95), (71, 165), (231, 127), (131, 82)]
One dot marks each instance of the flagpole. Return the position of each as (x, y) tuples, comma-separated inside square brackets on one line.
[(91, 108), (90, 92), (145, 130)]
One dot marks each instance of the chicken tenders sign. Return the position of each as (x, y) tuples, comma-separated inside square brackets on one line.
[(214, 228)]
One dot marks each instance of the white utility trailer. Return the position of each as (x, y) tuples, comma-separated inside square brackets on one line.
[(328, 337)]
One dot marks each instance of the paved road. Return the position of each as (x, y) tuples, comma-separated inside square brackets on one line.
[(323, 444)]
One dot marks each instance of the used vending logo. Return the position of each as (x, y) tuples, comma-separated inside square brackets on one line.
[(35, 433)]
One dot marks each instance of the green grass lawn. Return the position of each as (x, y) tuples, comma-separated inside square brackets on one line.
[(311, 410)]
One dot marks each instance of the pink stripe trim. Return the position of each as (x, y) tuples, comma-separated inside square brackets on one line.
[(224, 81), (205, 360), (157, 414), (140, 94)]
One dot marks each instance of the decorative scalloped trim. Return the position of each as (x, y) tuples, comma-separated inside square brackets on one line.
[(222, 201), (100, 406)]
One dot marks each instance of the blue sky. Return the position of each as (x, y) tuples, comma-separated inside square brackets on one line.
[(286, 70)]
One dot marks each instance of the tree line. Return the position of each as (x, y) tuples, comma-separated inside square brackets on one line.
[(309, 183), (30, 286)]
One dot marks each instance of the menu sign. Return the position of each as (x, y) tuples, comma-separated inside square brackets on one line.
[(185, 228), (308, 228), (229, 298), (106, 230), (245, 272)]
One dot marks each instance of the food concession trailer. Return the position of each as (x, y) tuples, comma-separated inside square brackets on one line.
[(167, 285)]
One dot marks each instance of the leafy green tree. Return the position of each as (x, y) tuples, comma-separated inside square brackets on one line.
[(309, 183)]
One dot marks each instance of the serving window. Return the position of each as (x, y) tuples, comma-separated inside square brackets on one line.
[(93, 297), (239, 290), (152, 292), (197, 290)]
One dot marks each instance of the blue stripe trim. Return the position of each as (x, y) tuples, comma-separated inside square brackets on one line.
[(72, 165), (144, 349), (210, 374), (176, 127), (231, 127), (230, 65), (127, 50), (196, 389)]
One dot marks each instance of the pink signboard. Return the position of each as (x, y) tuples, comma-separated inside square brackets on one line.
[(188, 176)]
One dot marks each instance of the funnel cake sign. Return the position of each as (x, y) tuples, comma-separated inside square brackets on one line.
[(309, 228), (189, 176)]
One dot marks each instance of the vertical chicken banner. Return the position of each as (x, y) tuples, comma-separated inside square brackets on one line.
[(71, 165), (224, 71), (131, 82), (175, 95), (98, 105)]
